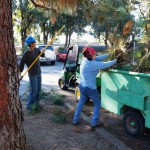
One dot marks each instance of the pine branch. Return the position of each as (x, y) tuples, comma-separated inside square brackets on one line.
[(42, 6)]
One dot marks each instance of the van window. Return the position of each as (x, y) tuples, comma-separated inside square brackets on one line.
[(48, 48)]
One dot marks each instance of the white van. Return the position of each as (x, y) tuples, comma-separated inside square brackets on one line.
[(50, 56)]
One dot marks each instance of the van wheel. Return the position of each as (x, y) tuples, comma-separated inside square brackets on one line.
[(53, 63), (61, 84), (134, 123), (77, 93)]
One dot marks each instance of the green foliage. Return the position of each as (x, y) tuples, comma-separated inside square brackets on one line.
[(14, 6), (25, 17), (42, 94), (142, 29), (47, 28), (59, 119), (60, 49), (106, 17), (59, 116), (33, 112), (109, 19), (73, 23), (24, 48), (138, 54), (58, 100), (35, 109)]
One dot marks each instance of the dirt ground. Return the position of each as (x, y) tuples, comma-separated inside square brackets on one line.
[(113, 123), (45, 132), (51, 128)]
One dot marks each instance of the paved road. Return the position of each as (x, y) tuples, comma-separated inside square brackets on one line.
[(50, 76)]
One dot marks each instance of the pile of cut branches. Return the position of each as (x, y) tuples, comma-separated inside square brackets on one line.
[(125, 53)]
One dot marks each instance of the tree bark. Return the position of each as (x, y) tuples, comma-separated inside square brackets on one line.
[(12, 135), (106, 38), (45, 33)]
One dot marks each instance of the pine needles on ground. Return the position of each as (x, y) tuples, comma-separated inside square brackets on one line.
[(58, 100), (59, 116)]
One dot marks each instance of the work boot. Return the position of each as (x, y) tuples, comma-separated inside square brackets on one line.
[(100, 124)]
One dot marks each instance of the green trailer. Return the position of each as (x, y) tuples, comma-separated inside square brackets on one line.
[(127, 93)]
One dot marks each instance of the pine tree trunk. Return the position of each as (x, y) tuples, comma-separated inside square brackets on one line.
[(12, 135)]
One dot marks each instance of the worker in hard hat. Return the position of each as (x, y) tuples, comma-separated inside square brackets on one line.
[(89, 68), (34, 73)]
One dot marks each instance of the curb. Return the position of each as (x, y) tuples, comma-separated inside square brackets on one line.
[(106, 135)]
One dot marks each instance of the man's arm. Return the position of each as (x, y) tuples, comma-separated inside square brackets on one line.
[(102, 57), (43, 54), (103, 65)]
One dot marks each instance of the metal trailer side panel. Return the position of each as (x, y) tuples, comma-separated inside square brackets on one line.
[(123, 88)]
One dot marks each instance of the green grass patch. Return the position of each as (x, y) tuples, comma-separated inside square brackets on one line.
[(58, 99), (59, 116), (59, 119), (34, 110), (43, 94)]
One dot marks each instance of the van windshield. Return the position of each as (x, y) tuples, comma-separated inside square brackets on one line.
[(48, 48)]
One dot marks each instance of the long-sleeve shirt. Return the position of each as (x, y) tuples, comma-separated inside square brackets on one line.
[(90, 69), (28, 58)]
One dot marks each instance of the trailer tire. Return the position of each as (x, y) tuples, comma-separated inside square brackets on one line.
[(62, 85), (77, 93), (134, 123)]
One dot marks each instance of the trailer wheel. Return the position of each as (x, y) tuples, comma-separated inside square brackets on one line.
[(61, 84), (77, 93), (134, 123)]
